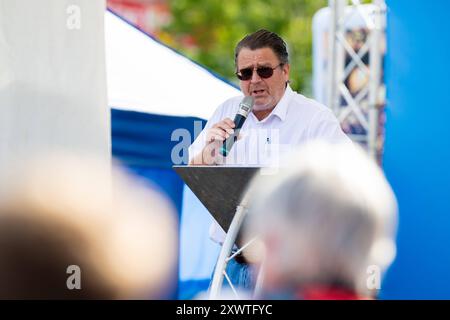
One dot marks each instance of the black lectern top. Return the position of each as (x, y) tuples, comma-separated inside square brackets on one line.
[(219, 188)]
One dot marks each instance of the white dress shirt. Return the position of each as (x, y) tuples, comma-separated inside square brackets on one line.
[(294, 121)]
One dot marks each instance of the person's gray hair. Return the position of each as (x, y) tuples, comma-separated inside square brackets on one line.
[(334, 211)]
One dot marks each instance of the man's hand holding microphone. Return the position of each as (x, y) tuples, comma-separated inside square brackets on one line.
[(222, 135)]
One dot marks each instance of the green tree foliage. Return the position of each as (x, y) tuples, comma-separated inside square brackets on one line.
[(208, 30)]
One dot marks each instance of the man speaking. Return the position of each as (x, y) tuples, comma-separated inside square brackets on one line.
[(279, 119)]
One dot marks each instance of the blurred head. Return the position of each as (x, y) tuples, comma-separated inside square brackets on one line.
[(65, 216), (262, 65), (324, 219)]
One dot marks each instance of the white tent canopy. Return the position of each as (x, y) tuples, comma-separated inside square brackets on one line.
[(163, 81), (146, 76)]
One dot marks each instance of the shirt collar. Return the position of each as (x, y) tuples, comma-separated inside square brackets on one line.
[(280, 109)]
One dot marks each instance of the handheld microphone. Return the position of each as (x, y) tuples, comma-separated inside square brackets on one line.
[(245, 107)]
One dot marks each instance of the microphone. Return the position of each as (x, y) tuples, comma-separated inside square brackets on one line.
[(245, 107)]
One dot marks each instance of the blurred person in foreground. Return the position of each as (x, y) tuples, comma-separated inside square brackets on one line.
[(325, 222), (280, 119), (62, 215)]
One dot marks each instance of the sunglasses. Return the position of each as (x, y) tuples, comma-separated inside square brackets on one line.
[(263, 72)]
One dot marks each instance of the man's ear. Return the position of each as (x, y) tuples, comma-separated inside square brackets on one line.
[(286, 70)]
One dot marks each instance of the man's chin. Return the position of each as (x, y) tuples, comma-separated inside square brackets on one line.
[(262, 107)]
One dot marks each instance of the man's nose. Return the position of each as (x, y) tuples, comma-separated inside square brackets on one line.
[(255, 77)]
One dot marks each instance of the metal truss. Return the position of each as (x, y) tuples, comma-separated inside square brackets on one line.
[(355, 88)]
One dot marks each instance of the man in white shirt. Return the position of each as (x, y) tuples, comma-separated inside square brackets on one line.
[(280, 119)]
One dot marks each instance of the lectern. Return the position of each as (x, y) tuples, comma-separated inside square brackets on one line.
[(221, 189)]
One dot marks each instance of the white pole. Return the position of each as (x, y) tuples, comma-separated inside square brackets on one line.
[(374, 84)]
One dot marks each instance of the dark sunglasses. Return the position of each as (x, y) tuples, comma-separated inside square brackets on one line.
[(263, 72)]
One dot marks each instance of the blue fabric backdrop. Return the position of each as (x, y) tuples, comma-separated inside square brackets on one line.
[(417, 150), (142, 143)]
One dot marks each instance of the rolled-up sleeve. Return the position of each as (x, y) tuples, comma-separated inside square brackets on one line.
[(199, 143)]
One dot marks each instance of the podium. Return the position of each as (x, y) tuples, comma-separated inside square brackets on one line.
[(221, 189)]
